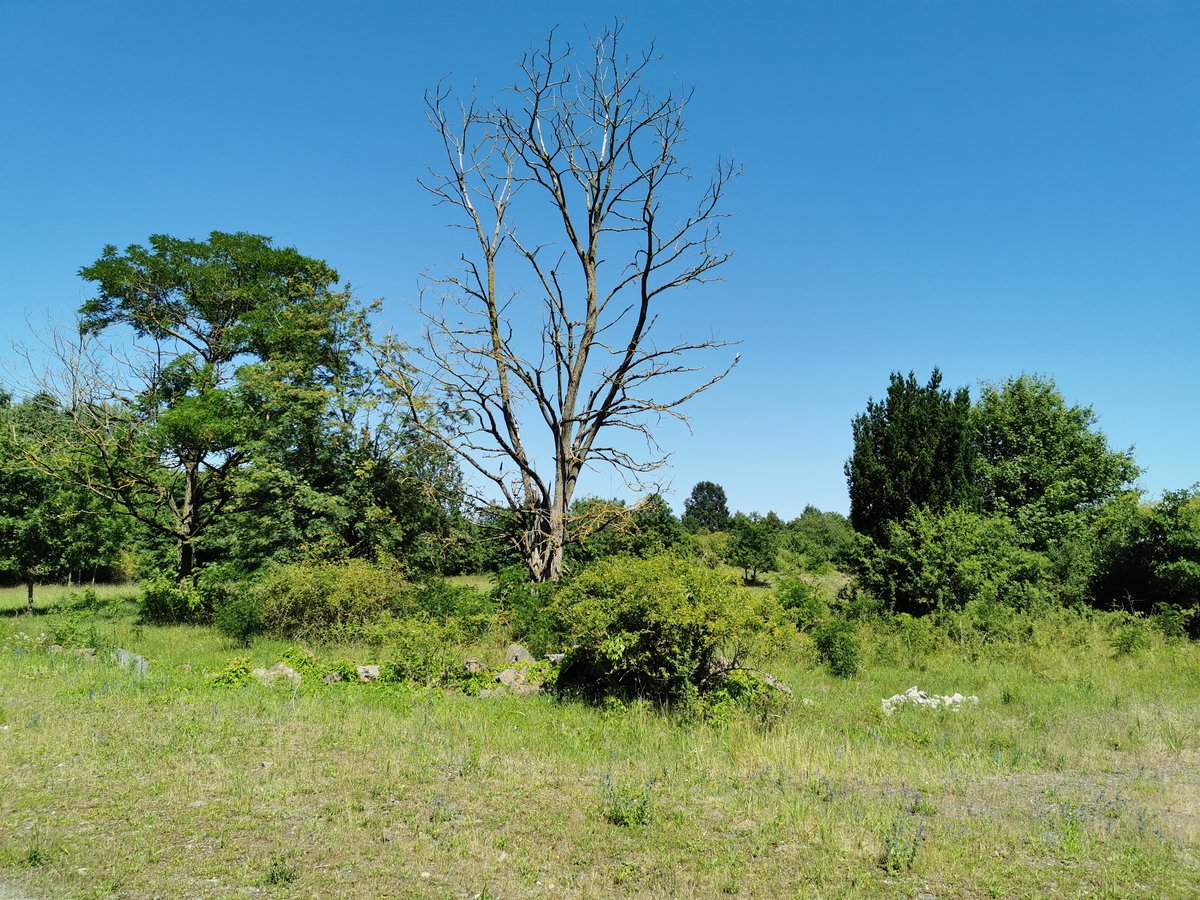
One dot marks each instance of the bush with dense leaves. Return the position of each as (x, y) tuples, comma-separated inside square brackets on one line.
[(945, 560), (164, 601), (239, 616), (655, 627), (321, 600), (837, 643)]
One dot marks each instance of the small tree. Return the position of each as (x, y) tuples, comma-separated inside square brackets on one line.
[(911, 449), (753, 544), (706, 509)]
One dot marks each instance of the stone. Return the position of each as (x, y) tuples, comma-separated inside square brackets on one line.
[(556, 658), (277, 671), (84, 652), (917, 697), (474, 667), (332, 677), (54, 648), (131, 662), (517, 654), (511, 677), (367, 673)]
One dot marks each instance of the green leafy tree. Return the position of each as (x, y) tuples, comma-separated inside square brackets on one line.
[(822, 537), (911, 449), (706, 509), (164, 427), (753, 544), (1042, 463), (48, 528)]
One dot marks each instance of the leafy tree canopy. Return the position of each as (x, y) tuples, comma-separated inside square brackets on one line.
[(706, 509), (1042, 463), (911, 449)]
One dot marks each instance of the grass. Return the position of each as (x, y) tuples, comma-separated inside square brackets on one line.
[(1077, 774)]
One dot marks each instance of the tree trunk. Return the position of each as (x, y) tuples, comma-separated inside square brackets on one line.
[(29, 593), (186, 559)]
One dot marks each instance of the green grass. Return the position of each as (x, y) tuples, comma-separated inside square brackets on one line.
[(1078, 774)]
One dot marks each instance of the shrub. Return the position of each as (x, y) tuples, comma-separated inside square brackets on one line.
[(164, 601), (422, 649), (837, 644), (653, 628), (527, 606), (326, 599), (239, 617), (803, 602), (944, 560)]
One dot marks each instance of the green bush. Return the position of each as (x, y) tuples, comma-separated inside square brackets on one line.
[(527, 607), (164, 602), (240, 617), (422, 650), (944, 560), (803, 602), (327, 599), (654, 628), (837, 644)]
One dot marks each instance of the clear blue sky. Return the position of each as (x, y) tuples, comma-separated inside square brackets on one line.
[(990, 187)]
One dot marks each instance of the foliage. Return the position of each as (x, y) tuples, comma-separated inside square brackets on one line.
[(237, 673), (653, 628), (837, 644), (912, 449), (803, 602), (239, 616), (422, 649), (936, 560), (1042, 463), (753, 544), (526, 606), (321, 600), (627, 806), (601, 528), (165, 601), (821, 537), (48, 528), (706, 508)]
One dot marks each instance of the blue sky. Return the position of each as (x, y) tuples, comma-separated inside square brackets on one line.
[(987, 187)]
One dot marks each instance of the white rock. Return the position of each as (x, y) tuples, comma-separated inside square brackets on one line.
[(918, 697)]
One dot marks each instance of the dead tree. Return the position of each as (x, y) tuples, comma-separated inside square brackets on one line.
[(542, 345)]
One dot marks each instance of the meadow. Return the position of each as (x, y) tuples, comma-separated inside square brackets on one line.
[(1077, 774)]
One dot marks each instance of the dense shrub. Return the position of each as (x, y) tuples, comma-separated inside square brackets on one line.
[(527, 608), (320, 600), (837, 643), (803, 602), (945, 560), (239, 616), (654, 627), (164, 601)]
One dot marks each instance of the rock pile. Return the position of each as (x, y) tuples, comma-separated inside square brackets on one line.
[(918, 697)]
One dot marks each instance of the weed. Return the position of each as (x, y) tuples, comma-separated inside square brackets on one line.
[(235, 674), (901, 842), (281, 872), (627, 806), (38, 854)]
